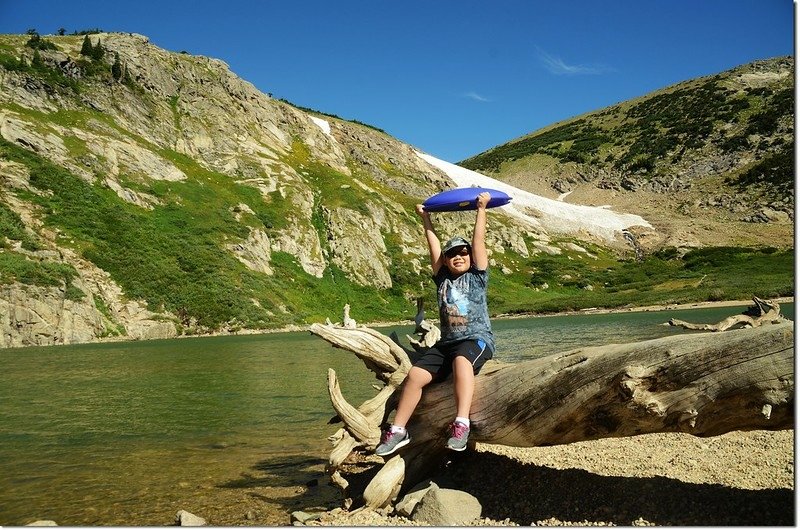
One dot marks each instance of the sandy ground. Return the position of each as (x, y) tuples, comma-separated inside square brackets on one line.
[(740, 478)]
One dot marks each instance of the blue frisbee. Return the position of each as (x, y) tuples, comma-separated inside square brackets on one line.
[(460, 199)]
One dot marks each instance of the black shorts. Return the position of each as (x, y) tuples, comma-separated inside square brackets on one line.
[(438, 360)]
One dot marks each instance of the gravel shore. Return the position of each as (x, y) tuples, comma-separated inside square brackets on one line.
[(740, 478)]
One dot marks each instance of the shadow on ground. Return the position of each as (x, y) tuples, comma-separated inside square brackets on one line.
[(527, 493)]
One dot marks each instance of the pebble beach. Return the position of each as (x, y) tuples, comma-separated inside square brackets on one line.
[(670, 479)]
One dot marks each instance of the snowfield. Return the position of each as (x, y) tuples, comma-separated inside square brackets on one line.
[(541, 212), (322, 124), (552, 216)]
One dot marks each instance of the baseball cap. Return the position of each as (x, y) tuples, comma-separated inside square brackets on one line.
[(455, 242)]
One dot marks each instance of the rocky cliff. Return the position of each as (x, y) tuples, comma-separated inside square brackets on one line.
[(321, 193)]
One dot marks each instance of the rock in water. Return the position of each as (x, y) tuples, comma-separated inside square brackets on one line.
[(446, 507)]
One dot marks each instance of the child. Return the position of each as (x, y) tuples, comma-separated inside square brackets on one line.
[(459, 270)]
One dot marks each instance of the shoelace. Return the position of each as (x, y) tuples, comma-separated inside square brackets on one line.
[(387, 435), (458, 429)]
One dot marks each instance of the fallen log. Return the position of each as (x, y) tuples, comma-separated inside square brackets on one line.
[(763, 312), (698, 384)]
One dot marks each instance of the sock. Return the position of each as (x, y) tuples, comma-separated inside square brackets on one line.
[(396, 428), (464, 421)]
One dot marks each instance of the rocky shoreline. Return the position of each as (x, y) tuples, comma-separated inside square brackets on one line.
[(739, 478), (379, 324)]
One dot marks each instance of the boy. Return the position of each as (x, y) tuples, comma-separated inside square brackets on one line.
[(460, 273)]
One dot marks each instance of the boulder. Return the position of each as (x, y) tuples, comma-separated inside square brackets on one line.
[(254, 252), (775, 216), (447, 507), (184, 518), (547, 249), (406, 505)]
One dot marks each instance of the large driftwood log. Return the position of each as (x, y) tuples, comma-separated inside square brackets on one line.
[(698, 384), (763, 312)]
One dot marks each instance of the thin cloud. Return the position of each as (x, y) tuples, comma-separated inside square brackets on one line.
[(558, 67), (477, 97)]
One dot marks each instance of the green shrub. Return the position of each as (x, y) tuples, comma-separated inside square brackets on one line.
[(38, 43), (15, 267), (775, 173)]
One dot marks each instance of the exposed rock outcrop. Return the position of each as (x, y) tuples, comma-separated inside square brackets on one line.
[(41, 316), (254, 252), (357, 247)]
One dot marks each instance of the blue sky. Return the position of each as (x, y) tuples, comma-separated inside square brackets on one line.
[(452, 78)]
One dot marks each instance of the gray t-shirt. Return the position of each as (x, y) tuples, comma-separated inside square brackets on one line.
[(463, 313)]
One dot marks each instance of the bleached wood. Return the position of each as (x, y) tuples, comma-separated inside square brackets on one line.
[(763, 312), (357, 424), (386, 485)]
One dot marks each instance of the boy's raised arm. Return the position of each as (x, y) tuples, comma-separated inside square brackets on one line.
[(480, 258), (434, 246)]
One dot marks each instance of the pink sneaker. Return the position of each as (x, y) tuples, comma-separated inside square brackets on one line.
[(459, 433), (391, 442)]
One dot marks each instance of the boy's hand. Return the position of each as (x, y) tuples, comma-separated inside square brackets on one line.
[(421, 211), (483, 200)]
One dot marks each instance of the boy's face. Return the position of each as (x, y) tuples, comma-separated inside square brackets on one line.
[(458, 260)]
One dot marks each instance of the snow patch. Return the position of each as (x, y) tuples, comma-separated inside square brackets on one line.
[(324, 125), (541, 212), (563, 196)]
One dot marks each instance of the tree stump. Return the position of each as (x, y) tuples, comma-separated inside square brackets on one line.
[(697, 384)]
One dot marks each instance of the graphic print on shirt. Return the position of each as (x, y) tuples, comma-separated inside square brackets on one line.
[(455, 306)]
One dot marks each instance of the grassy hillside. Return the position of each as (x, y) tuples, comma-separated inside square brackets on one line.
[(171, 258), (665, 277), (746, 113)]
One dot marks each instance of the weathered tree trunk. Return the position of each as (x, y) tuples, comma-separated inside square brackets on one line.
[(699, 384), (763, 312)]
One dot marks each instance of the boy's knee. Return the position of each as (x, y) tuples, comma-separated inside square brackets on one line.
[(462, 365), (418, 376)]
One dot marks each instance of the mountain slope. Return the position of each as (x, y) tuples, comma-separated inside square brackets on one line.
[(145, 193), (709, 161)]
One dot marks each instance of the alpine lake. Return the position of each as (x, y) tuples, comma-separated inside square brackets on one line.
[(231, 428)]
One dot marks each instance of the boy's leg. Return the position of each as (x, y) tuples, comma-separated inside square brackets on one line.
[(464, 386), (464, 383), (469, 358), (419, 376), (416, 380)]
